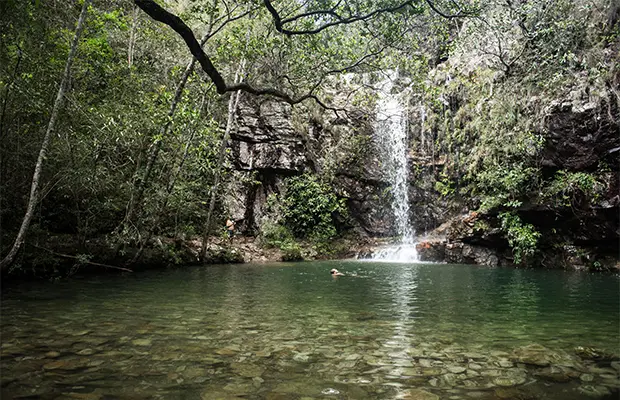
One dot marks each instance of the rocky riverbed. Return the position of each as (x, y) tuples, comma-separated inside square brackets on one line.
[(97, 363)]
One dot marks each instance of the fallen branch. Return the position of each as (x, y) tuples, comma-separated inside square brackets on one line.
[(80, 259)]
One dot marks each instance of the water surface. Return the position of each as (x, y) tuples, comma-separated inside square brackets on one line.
[(292, 331)]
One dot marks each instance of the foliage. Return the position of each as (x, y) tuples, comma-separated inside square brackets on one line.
[(485, 119), (567, 188), (522, 237), (486, 107), (310, 208), (444, 185), (279, 236)]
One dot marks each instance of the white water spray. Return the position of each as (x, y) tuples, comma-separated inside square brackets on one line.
[(391, 139)]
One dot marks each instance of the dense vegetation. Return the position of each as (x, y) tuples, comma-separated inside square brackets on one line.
[(510, 144), (138, 132)]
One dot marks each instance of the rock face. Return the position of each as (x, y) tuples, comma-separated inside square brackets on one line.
[(265, 139), (366, 201), (265, 150), (580, 133), (466, 239)]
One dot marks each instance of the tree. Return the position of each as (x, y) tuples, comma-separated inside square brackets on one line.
[(318, 19), (34, 190)]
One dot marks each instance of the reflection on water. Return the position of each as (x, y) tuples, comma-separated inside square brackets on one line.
[(291, 331)]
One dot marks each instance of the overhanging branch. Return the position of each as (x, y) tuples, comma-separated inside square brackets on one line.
[(340, 20), (160, 14)]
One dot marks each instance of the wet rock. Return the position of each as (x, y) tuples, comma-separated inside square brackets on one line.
[(141, 342), (409, 372), (247, 370), (474, 366), (215, 395), (534, 354), (415, 352), (472, 373), (67, 365), (239, 388), (426, 363), (611, 381), (301, 357), (594, 391), (457, 369), (431, 371), (586, 378), (470, 384), (299, 388), (509, 380), (505, 363), (418, 394), (83, 396), (477, 395), (263, 353), (192, 372), (615, 365), (553, 374), (451, 380), (277, 396), (52, 354), (228, 351), (475, 356), (600, 356), (508, 393)]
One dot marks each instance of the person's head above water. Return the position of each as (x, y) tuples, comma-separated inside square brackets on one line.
[(335, 272)]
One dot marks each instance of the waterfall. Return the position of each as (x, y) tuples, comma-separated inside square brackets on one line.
[(391, 127)]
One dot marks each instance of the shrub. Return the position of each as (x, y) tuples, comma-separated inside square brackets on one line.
[(522, 237), (310, 208)]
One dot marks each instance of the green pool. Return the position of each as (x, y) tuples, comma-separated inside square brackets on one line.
[(292, 331)]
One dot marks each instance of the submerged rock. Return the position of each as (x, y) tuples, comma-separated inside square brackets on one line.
[(418, 394), (534, 354), (67, 365), (594, 391), (247, 370), (553, 374), (509, 380), (141, 342), (591, 353)]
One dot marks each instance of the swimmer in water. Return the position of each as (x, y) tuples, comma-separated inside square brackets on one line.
[(335, 272)]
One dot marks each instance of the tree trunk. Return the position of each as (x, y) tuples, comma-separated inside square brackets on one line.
[(232, 107), (34, 189)]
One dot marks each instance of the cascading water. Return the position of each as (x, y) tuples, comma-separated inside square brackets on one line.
[(391, 139)]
